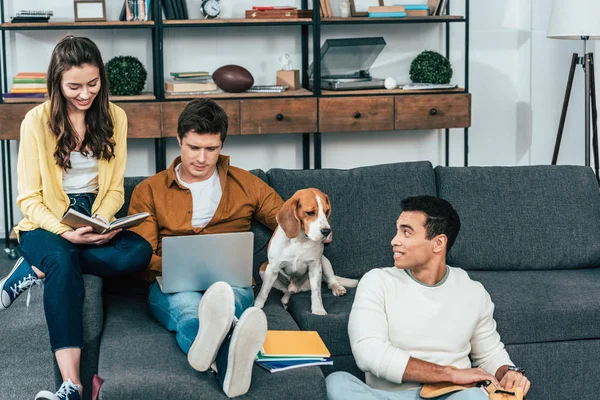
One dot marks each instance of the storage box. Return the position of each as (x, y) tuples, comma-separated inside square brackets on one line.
[(278, 14), (290, 77)]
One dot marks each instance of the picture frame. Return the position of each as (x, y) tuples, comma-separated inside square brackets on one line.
[(359, 8), (89, 10)]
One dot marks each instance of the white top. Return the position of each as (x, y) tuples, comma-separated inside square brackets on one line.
[(83, 175), (394, 317), (206, 196)]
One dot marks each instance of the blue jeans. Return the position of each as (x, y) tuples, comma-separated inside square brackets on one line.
[(64, 262), (342, 386), (178, 312)]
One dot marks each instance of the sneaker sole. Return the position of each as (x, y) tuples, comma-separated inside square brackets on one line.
[(45, 395), (4, 297), (247, 340), (215, 312)]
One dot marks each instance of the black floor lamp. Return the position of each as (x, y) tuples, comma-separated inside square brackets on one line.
[(578, 20)]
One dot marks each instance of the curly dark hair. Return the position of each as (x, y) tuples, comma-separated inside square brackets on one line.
[(441, 217), (72, 52)]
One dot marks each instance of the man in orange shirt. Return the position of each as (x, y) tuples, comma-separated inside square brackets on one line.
[(200, 193)]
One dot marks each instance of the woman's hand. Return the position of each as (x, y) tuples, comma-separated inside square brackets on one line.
[(86, 235)]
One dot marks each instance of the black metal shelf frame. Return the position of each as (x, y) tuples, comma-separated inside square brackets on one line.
[(158, 76)]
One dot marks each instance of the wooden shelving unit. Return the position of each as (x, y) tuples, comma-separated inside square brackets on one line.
[(309, 112)]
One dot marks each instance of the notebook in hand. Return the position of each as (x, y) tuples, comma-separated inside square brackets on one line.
[(75, 220)]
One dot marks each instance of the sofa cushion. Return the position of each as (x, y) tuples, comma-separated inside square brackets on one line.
[(544, 306), (333, 327), (523, 218), (140, 359), (365, 206)]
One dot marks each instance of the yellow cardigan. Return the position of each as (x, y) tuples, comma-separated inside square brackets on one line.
[(41, 196)]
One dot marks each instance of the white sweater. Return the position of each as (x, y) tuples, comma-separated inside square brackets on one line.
[(395, 317)]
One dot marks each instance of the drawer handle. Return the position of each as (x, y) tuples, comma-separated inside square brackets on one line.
[(279, 117), (433, 111), (357, 115)]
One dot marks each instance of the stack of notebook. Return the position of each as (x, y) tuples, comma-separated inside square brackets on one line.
[(285, 350), (28, 85)]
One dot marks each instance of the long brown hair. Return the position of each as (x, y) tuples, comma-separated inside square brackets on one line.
[(98, 140)]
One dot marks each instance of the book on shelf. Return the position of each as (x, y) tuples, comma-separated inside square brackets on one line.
[(377, 9), (284, 350), (267, 89), (31, 75), (428, 86), (415, 7), (29, 80), (15, 90), (417, 13), (387, 15), (19, 85), (75, 220), (182, 86), (24, 95), (190, 74)]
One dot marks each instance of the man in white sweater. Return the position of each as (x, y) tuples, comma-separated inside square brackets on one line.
[(420, 321)]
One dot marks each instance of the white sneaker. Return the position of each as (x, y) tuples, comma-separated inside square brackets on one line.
[(216, 313), (246, 341), (68, 391)]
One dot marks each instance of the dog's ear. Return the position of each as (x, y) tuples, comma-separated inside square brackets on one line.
[(287, 218)]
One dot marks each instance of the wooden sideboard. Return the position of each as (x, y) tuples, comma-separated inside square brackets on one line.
[(149, 120)]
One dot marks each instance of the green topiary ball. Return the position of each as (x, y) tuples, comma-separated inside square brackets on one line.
[(430, 67), (126, 76)]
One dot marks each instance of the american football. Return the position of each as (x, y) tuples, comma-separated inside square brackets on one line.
[(233, 78)]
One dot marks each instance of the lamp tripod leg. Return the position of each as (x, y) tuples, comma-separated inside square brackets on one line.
[(563, 114), (594, 116)]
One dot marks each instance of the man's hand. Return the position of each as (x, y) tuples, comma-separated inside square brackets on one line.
[(85, 235), (512, 379), (470, 376)]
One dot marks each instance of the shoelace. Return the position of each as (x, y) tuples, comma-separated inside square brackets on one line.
[(66, 389), (27, 282)]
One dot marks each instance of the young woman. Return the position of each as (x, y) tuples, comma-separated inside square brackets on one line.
[(72, 154)]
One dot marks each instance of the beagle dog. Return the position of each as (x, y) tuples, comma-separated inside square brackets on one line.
[(295, 253)]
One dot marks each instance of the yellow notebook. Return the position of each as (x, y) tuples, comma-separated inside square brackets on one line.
[(294, 343)]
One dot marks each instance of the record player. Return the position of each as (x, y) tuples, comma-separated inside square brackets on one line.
[(345, 64)]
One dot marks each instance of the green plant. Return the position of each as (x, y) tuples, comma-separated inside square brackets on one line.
[(430, 67), (126, 76)]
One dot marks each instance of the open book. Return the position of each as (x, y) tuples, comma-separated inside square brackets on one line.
[(75, 220)]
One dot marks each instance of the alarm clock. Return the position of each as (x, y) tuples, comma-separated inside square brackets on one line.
[(210, 8)]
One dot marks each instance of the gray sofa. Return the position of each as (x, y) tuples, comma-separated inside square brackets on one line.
[(529, 234)]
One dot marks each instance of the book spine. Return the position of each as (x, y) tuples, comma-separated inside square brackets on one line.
[(379, 9), (387, 15)]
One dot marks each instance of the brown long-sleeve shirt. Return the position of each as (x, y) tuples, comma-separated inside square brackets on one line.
[(170, 205)]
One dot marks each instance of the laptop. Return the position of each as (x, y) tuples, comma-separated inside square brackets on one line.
[(193, 263)]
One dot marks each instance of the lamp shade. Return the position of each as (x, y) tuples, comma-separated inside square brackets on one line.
[(572, 19)]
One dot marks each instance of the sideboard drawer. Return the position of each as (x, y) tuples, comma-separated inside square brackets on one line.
[(354, 114), (297, 115), (11, 116), (433, 111), (143, 120), (171, 111)]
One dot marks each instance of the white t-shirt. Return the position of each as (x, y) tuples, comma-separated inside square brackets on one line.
[(206, 196), (83, 176), (394, 317)]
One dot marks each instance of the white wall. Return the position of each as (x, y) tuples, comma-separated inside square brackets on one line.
[(517, 80)]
